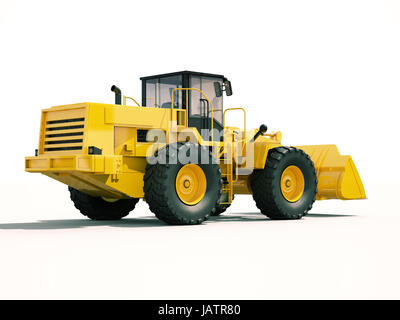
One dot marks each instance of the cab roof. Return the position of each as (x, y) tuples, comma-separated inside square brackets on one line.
[(202, 74)]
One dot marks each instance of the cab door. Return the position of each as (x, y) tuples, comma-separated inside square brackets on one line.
[(200, 109)]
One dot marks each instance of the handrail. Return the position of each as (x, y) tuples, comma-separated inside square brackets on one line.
[(187, 105), (124, 101), (244, 119), (243, 140)]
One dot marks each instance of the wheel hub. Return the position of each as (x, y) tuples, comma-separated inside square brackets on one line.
[(190, 184), (186, 183), (292, 183)]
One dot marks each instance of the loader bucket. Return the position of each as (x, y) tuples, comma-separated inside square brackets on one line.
[(337, 175)]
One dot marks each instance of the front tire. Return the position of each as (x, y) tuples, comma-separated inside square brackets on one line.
[(287, 186), (97, 208), (179, 193)]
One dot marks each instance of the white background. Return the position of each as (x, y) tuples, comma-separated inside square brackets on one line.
[(319, 71)]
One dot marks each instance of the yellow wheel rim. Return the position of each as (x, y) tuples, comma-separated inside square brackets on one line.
[(191, 184), (292, 183)]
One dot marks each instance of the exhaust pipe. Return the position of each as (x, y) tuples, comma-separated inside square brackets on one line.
[(117, 92)]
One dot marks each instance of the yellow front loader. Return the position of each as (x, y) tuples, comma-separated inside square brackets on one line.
[(175, 151)]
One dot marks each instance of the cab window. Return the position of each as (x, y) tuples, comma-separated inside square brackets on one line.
[(159, 92), (205, 84)]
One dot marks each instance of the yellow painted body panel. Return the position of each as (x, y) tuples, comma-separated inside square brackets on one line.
[(261, 147), (119, 171), (139, 117)]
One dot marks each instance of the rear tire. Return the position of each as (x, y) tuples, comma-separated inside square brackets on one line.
[(282, 199), (163, 195), (221, 208), (96, 208)]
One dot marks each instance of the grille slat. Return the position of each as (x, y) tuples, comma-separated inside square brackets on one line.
[(63, 148), (65, 120), (67, 134), (65, 128), (64, 141)]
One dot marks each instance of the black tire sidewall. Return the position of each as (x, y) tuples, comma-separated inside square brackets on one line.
[(302, 205), (211, 196), (110, 210), (97, 208)]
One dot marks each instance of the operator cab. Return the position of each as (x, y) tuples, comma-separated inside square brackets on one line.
[(157, 93)]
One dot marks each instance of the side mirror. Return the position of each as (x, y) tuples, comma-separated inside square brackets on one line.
[(228, 88), (218, 89)]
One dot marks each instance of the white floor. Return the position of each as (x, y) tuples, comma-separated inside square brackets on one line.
[(340, 250)]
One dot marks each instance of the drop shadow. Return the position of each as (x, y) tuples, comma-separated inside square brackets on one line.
[(146, 222), (143, 222), (243, 217), (326, 215)]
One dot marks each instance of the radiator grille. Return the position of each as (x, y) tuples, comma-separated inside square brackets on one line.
[(64, 131)]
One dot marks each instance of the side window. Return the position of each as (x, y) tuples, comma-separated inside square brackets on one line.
[(195, 96), (206, 85), (159, 92), (167, 85), (151, 93)]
